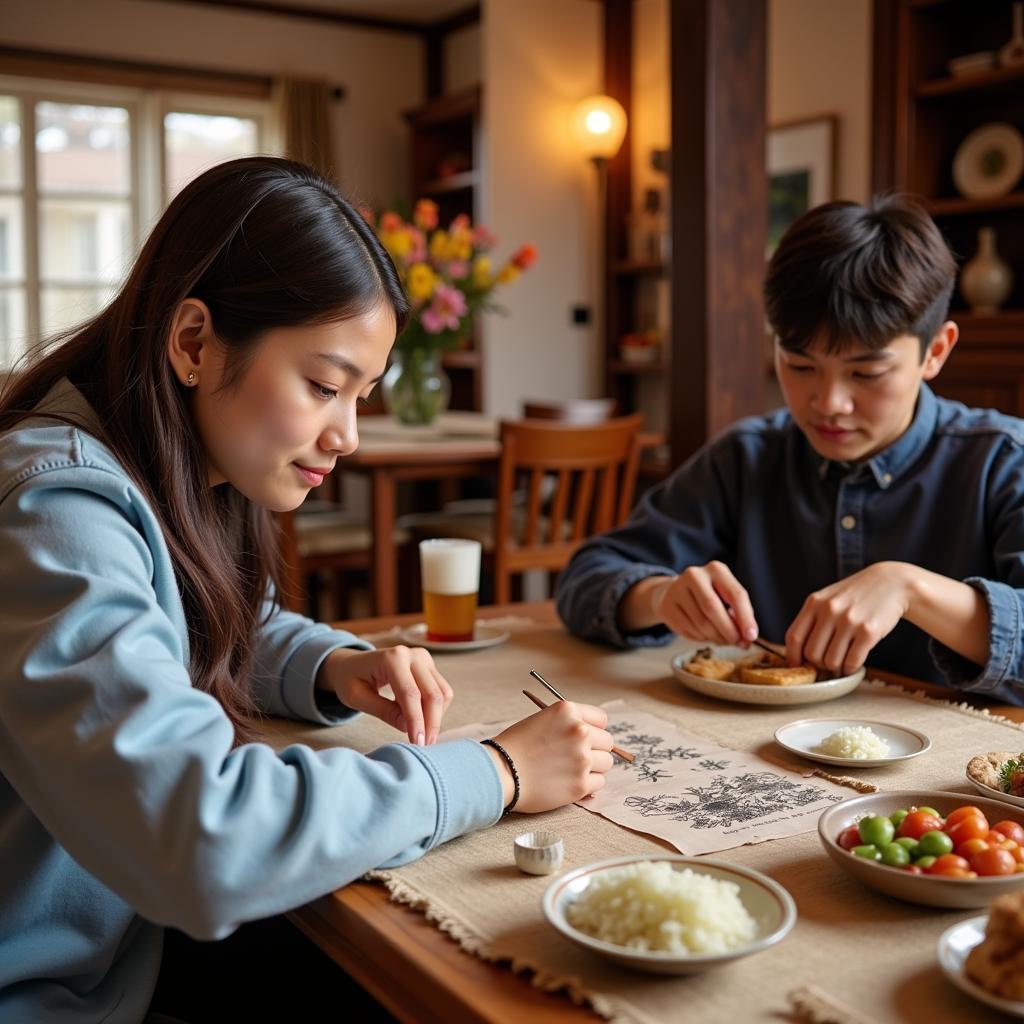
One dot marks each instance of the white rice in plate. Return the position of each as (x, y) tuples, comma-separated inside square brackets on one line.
[(857, 742), (649, 906)]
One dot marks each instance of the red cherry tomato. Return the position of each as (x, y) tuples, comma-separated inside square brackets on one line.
[(950, 864), (1011, 830), (969, 847), (849, 838), (970, 827), (916, 823), (994, 861), (963, 812), (994, 838), (913, 869)]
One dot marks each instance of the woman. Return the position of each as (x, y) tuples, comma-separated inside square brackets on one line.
[(139, 631)]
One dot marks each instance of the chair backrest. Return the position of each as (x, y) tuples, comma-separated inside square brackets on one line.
[(594, 471), (574, 410)]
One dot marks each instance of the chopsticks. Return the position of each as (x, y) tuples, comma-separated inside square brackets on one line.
[(624, 755), (765, 646)]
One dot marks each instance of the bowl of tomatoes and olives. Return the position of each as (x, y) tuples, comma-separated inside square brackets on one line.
[(939, 849)]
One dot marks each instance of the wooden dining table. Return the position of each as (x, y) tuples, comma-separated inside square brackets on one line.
[(413, 969)]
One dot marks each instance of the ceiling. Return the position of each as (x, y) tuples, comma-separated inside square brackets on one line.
[(424, 11)]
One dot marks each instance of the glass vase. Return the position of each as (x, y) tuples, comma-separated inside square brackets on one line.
[(415, 388)]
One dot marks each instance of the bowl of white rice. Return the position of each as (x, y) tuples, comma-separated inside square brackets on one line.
[(668, 914)]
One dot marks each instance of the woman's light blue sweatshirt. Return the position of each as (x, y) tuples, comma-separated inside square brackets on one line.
[(123, 807)]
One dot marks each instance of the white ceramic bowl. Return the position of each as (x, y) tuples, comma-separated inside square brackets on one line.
[(768, 903), (930, 890), (751, 693)]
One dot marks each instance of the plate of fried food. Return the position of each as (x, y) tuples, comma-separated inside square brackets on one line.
[(998, 774), (757, 677), (984, 956)]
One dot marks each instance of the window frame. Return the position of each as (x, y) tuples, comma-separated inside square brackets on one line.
[(147, 107)]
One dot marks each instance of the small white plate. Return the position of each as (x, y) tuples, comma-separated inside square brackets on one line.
[(803, 736), (996, 794), (954, 945), (751, 693), (483, 636), (768, 903)]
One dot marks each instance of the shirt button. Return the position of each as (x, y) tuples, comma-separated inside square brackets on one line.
[(848, 522), (887, 479)]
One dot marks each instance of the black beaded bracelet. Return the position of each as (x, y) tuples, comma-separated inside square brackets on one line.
[(512, 768)]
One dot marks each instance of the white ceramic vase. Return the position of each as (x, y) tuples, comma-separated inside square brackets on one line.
[(985, 280)]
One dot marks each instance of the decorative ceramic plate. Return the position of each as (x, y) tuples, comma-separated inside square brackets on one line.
[(483, 636), (996, 794), (989, 162), (751, 693), (954, 945), (767, 902), (802, 737)]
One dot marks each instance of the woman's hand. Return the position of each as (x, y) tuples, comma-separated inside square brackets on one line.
[(561, 754), (704, 602), (422, 694)]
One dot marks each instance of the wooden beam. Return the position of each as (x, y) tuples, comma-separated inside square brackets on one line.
[(719, 214), (73, 67)]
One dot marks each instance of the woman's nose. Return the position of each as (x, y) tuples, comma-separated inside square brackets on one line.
[(341, 437)]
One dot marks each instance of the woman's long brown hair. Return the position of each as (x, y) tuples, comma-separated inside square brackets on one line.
[(265, 243)]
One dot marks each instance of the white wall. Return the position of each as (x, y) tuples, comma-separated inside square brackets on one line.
[(539, 57), (382, 72), (819, 62)]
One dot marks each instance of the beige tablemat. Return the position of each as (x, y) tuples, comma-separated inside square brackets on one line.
[(853, 956)]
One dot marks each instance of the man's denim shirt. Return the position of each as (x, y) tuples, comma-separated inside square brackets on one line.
[(948, 496)]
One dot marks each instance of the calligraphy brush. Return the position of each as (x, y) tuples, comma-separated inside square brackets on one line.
[(624, 755)]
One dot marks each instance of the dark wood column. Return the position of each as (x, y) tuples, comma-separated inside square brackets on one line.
[(719, 196)]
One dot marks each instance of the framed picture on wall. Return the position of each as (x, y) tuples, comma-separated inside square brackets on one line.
[(801, 170)]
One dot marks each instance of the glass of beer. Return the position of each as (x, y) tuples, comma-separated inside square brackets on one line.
[(451, 580)]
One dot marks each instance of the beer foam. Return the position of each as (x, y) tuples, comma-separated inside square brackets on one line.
[(450, 566)]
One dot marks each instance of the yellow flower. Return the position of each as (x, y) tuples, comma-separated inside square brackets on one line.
[(398, 243), (420, 282), (482, 272), (508, 273), (439, 243)]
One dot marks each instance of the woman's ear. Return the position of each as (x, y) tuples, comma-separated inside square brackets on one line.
[(191, 341), (938, 350)]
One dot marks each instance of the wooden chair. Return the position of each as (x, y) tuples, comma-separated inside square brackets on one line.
[(319, 538), (578, 481), (594, 468)]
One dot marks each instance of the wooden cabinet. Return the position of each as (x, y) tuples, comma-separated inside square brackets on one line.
[(922, 113), (445, 162)]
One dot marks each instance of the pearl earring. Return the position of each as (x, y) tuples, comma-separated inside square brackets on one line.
[(191, 378)]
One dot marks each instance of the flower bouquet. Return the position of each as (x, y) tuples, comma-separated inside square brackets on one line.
[(449, 276)]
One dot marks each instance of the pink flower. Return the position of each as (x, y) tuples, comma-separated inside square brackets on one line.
[(458, 269), (390, 221), (418, 252), (460, 223), (444, 313), (482, 238)]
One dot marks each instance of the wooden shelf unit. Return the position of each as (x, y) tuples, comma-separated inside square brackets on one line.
[(921, 115), (445, 163)]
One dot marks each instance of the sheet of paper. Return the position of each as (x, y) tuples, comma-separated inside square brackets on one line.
[(692, 792)]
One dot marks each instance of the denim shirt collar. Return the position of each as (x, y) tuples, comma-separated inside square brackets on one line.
[(895, 460)]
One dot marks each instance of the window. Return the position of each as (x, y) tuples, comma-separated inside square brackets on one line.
[(85, 171)]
